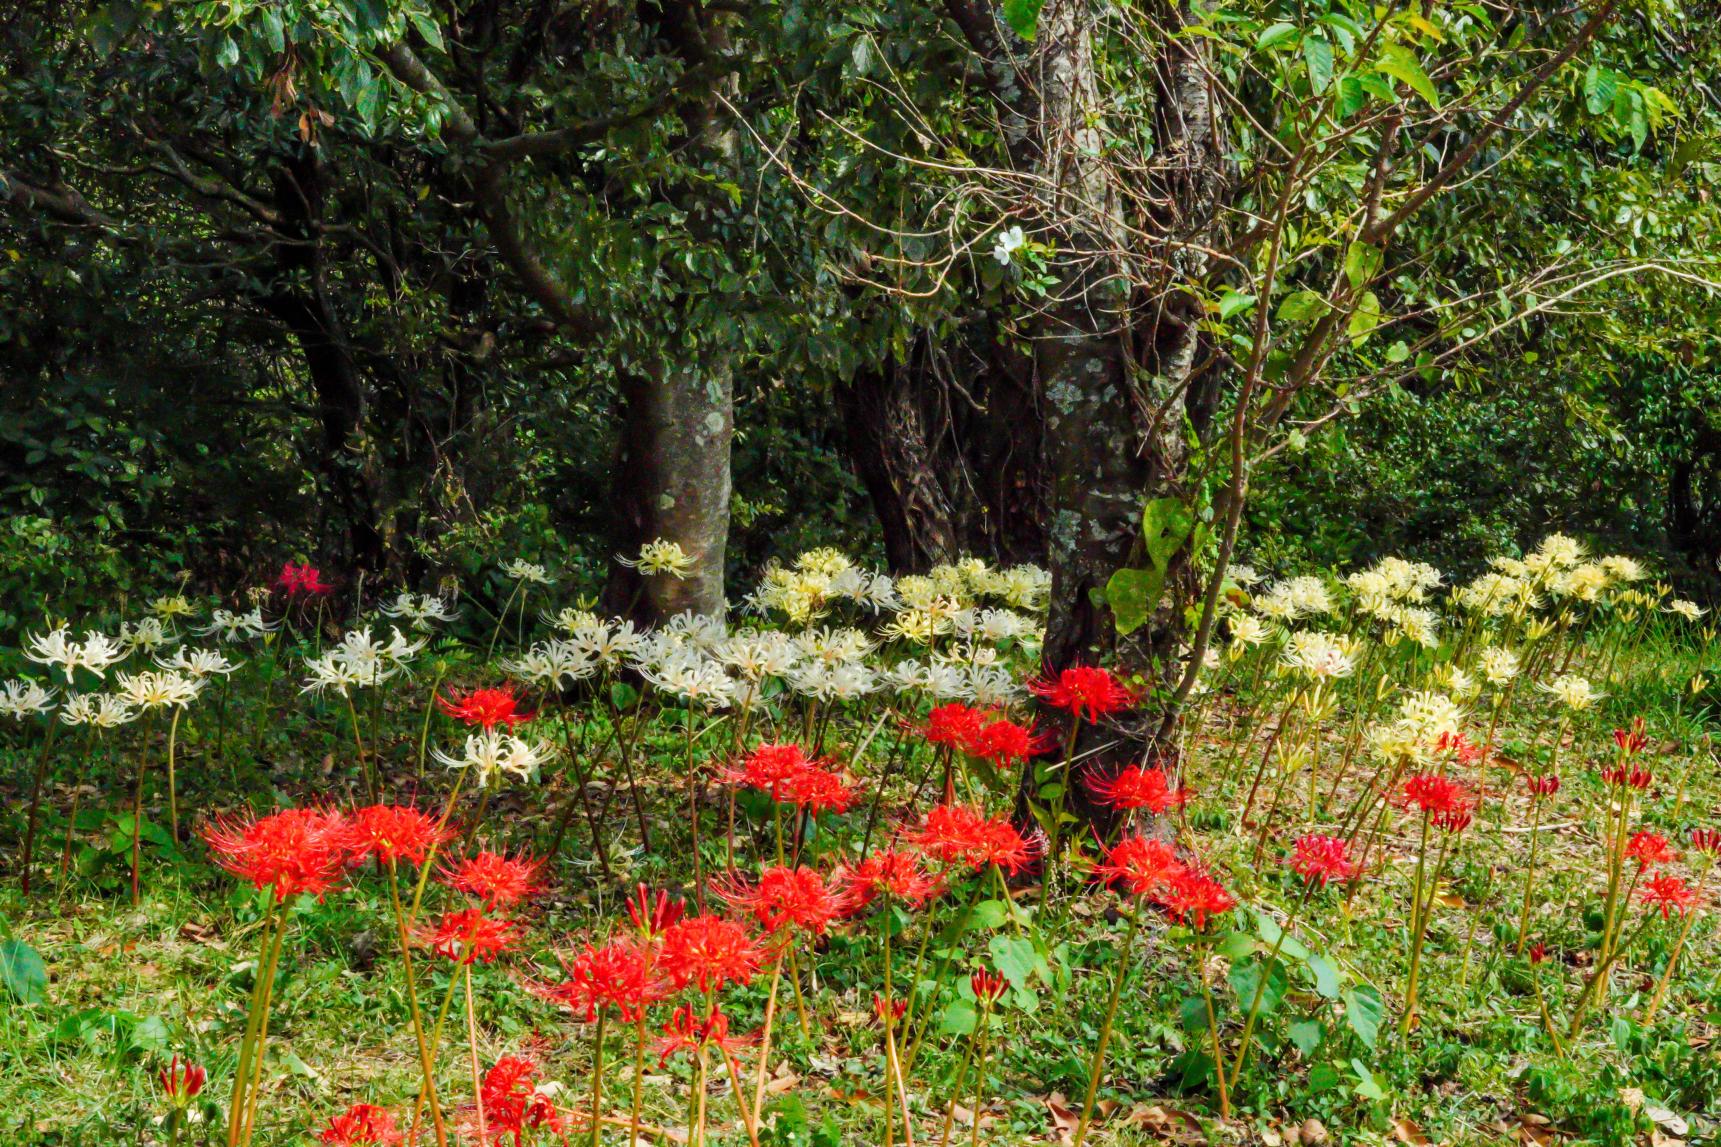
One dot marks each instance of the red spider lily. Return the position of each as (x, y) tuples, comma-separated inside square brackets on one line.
[(1463, 750), (709, 951), (1539, 953), (1433, 793), (302, 581), (1322, 858), (771, 768), (513, 1104), (1137, 787), (784, 898), (686, 1032), (1649, 849), (901, 876), (1005, 742), (182, 1081), (1191, 896), (819, 790), (1543, 786), (987, 985), (1706, 840), (471, 936), (1668, 893), (1453, 820), (497, 880), (880, 1005), (1631, 741), (619, 975), (363, 1123), (954, 725), (652, 914), (394, 833), (1623, 777), (1139, 866), (292, 851), (486, 708), (957, 834), (1085, 691)]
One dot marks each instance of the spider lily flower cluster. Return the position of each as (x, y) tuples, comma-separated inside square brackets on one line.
[(881, 771)]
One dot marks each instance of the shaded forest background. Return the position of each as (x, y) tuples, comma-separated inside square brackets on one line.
[(268, 297)]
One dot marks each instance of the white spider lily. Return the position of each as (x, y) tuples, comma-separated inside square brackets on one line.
[(20, 698), (100, 710), (1572, 691), (96, 652), (148, 634), (198, 662), (421, 609), (159, 689), (493, 753), (553, 662), (988, 686), (699, 682), (530, 572)]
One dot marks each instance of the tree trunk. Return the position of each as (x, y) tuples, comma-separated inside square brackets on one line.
[(673, 483)]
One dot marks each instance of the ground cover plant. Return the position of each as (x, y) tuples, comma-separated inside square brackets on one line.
[(1425, 863)]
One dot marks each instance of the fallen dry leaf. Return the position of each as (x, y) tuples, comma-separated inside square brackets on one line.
[(1404, 1131), (1064, 1119), (1313, 1131)]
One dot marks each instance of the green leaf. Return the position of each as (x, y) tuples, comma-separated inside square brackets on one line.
[(427, 28), (1397, 352), (1362, 263), (1367, 1086), (1364, 319), (1234, 303), (987, 915), (1246, 980), (1133, 595), (1023, 16), (1165, 526), (1401, 64), (1325, 974), (1363, 1011), (23, 972), (1236, 945), (1353, 94), (1273, 35), (1301, 306), (1017, 959), (1306, 1035), (959, 1018), (1600, 86), (1318, 55)]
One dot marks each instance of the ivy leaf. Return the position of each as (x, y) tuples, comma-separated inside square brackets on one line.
[(1165, 526), (1023, 16), (1133, 596), (1401, 64)]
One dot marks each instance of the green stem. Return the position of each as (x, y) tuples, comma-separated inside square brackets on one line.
[(1098, 1065)]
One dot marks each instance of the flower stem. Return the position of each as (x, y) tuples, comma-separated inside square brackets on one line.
[(1098, 1065)]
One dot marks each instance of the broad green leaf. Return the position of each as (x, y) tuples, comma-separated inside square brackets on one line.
[(1133, 595), (1318, 55), (1325, 974), (1363, 1011), (23, 972), (1306, 1035), (1362, 263), (1367, 1085), (1401, 64), (1301, 306), (1023, 16), (1397, 352), (1017, 959), (1364, 319), (1273, 35), (1353, 94), (1165, 525), (959, 1018), (987, 915), (1600, 86), (1246, 980), (1234, 303)]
